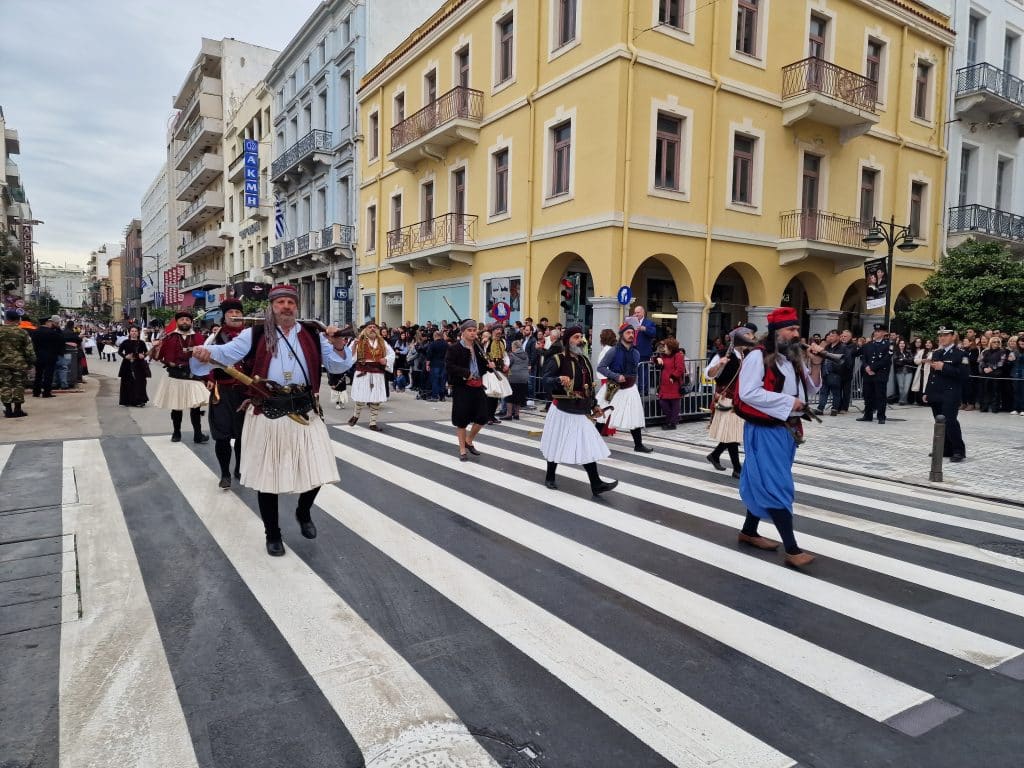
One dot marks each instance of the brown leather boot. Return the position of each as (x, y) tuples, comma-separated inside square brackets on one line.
[(761, 542)]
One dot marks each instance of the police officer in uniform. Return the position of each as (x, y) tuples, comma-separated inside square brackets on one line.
[(876, 360), (950, 368)]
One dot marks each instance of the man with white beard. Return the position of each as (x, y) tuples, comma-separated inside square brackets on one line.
[(569, 436)]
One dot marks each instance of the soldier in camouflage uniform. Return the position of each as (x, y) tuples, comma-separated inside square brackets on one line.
[(16, 355)]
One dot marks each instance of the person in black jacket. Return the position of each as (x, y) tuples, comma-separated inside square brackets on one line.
[(990, 369), (49, 344), (876, 360), (465, 364), (950, 370)]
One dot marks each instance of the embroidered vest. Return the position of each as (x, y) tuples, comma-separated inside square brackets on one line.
[(258, 358), (774, 381)]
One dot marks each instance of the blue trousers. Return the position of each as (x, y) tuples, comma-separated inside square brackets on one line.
[(437, 381)]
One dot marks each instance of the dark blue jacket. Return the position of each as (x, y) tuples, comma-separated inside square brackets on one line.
[(619, 361)]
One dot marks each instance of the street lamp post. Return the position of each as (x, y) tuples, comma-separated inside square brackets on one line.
[(894, 236)]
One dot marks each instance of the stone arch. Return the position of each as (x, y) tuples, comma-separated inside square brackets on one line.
[(658, 282), (852, 308), (900, 303), (548, 287), (736, 287), (803, 292)]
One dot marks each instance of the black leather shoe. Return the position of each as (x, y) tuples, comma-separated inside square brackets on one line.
[(176, 437), (202, 437), (642, 449), (238, 474), (225, 481), (275, 547), (716, 462), (957, 458), (881, 421), (472, 449), (597, 490), (862, 418), (376, 427), (736, 474), (307, 528), (550, 484)]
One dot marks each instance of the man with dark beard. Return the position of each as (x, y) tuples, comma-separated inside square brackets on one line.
[(285, 445), (179, 391), (775, 388), (620, 366), (227, 395), (569, 436)]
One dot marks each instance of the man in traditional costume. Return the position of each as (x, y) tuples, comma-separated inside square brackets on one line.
[(285, 445), (726, 426), (775, 386), (569, 436), (466, 363), (373, 357), (620, 394), (180, 391), (227, 397)]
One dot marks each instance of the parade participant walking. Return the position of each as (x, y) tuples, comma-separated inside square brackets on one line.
[(569, 436), (620, 393), (285, 445), (949, 368), (497, 353), (227, 397), (775, 387), (876, 360), (466, 364), (373, 357), (17, 355), (134, 370), (180, 391), (726, 426), (48, 342)]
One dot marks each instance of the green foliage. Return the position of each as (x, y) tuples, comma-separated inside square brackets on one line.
[(163, 314), (254, 307), (42, 306), (977, 285), (11, 260)]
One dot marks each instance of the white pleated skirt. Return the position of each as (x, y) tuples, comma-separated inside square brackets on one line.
[(628, 410), (368, 388), (181, 394), (283, 456), (571, 438), (726, 427)]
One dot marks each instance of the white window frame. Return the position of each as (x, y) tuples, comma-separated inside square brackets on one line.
[(372, 234), (926, 205), (823, 175), (399, 92), (554, 49), (882, 96), (501, 144), (507, 8), (933, 69), (373, 134), (818, 9), (428, 178), (871, 164), (463, 165), (561, 116), (464, 42), (761, 59), (756, 206), (689, 19), (1008, 188), (671, 107), (1012, 30), (972, 193)]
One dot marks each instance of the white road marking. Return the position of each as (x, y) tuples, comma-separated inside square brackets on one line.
[(852, 684), (6, 449), (118, 702), (385, 704)]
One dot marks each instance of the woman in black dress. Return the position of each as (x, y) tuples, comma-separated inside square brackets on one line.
[(134, 370)]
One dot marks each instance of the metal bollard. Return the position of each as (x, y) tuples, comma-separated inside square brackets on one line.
[(938, 443)]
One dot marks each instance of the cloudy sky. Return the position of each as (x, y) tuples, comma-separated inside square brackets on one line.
[(88, 86)]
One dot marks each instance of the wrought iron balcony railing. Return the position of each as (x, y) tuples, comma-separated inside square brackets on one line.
[(823, 227), (302, 149), (985, 77), (987, 221), (814, 75), (447, 229), (458, 103), (337, 234)]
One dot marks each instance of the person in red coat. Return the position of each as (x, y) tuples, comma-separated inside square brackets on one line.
[(180, 391), (673, 375)]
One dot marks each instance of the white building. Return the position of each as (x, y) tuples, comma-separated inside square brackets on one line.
[(156, 239), (64, 283), (15, 212), (985, 172)]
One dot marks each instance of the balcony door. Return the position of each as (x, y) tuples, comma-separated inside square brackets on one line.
[(459, 205), (809, 196), (816, 51), (427, 224)]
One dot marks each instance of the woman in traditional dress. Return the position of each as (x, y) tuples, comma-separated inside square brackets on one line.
[(726, 427), (134, 370)]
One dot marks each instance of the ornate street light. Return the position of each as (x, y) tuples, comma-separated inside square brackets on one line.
[(894, 236)]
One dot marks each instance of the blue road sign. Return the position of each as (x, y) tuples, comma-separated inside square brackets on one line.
[(199, 294), (340, 293), (251, 145), (625, 295)]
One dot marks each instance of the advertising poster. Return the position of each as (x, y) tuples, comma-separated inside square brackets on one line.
[(876, 279), (503, 289)]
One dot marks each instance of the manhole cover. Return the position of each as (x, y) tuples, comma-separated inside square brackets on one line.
[(450, 745)]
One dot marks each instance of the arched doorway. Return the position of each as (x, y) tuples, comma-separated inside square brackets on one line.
[(729, 302), (565, 287), (900, 324), (795, 295), (658, 283), (853, 309)]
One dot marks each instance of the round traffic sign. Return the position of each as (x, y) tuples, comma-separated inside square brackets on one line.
[(625, 295)]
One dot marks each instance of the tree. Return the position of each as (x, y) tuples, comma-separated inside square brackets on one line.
[(977, 285), (12, 260), (254, 307), (42, 306)]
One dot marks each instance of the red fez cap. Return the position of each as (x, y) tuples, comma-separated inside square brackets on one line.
[(783, 317)]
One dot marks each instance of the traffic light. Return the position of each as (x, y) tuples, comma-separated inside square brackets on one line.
[(568, 294)]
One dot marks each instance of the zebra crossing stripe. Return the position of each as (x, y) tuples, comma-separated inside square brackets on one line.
[(331, 640), (118, 701), (908, 536), (860, 688), (973, 591), (674, 725), (947, 638), (5, 454)]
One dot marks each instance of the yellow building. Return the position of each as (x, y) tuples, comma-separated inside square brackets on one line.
[(717, 158)]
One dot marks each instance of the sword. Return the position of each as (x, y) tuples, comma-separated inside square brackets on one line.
[(257, 385)]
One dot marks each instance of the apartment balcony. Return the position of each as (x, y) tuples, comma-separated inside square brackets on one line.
[(303, 155), (452, 118), (819, 91), (320, 245), (984, 223), (206, 100), (205, 207), (236, 169), (12, 172), (207, 278), (985, 93), (436, 242), (200, 246), (203, 135), (198, 177), (11, 141), (805, 234), (337, 236)]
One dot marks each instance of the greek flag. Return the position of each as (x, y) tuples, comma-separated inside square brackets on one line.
[(278, 218)]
